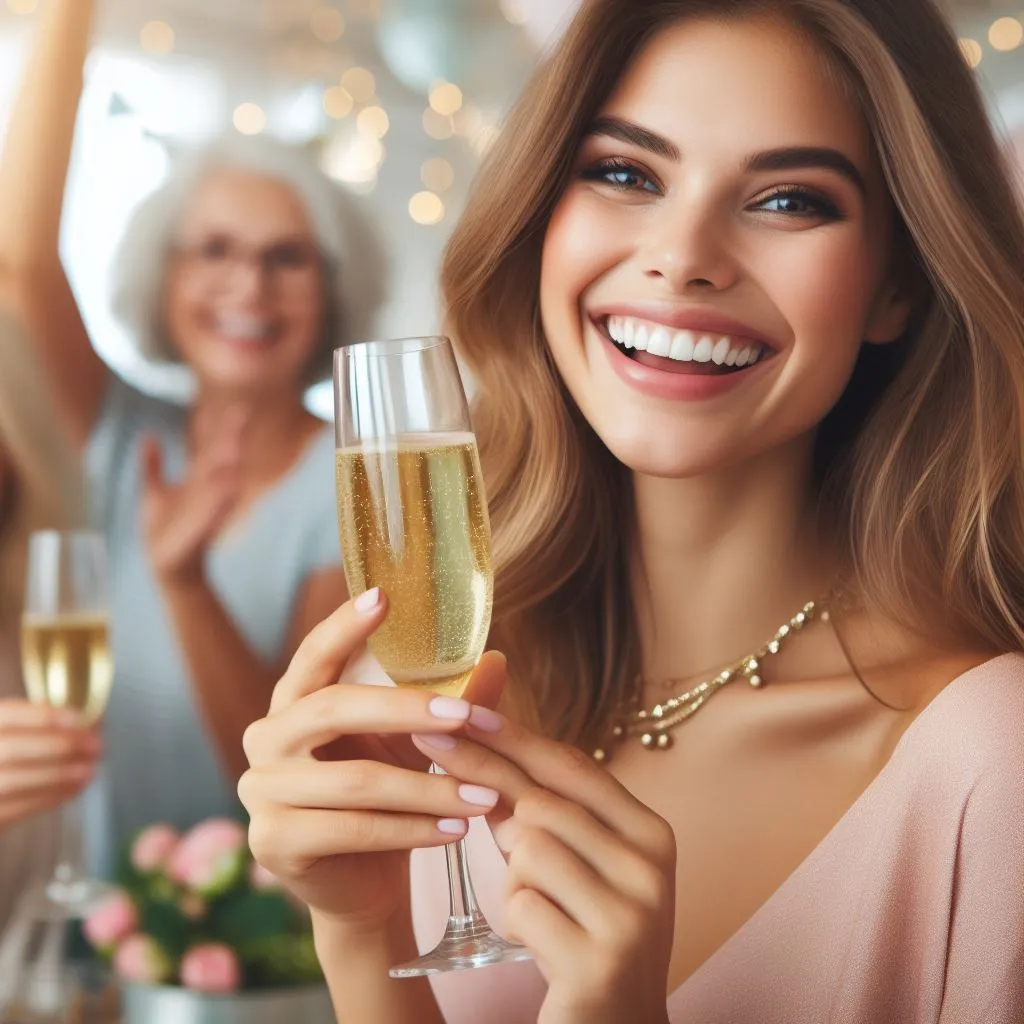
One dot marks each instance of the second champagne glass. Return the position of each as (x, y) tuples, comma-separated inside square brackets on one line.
[(413, 521), (65, 653)]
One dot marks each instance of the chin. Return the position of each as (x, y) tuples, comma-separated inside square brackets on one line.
[(668, 456)]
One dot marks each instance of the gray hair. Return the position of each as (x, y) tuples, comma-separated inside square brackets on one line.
[(357, 263)]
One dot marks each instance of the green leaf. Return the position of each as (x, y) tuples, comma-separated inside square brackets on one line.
[(244, 918), (164, 921)]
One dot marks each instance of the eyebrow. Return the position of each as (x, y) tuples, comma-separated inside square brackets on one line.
[(789, 158)]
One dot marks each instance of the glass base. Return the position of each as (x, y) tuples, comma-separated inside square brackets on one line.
[(468, 943), (71, 898)]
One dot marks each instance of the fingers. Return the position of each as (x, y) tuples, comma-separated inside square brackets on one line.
[(289, 840), (363, 785), (35, 780), (23, 714), (36, 746), (19, 807), (323, 655), (152, 457), (611, 861), (348, 710), (536, 922), (570, 773), (487, 682)]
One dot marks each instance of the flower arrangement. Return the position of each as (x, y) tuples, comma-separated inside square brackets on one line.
[(197, 911)]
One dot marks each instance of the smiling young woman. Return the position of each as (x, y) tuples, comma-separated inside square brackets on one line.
[(740, 285)]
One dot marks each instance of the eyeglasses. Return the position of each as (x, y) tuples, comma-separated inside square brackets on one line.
[(289, 265)]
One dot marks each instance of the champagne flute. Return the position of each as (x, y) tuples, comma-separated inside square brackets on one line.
[(66, 662), (413, 521)]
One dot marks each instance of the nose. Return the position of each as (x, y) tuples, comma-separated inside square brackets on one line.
[(688, 249), (248, 278)]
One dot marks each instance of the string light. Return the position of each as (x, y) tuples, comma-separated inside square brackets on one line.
[(157, 37), (1006, 34), (23, 6), (437, 174), (972, 51), (327, 24), (250, 119), (436, 125), (360, 83), (426, 208), (446, 98), (338, 102), (373, 121)]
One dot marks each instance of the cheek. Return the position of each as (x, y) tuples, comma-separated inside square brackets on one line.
[(578, 249), (824, 291), (176, 307)]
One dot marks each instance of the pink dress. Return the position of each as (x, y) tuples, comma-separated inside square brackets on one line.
[(910, 911)]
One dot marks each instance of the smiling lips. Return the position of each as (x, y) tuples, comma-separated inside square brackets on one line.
[(244, 329), (683, 351)]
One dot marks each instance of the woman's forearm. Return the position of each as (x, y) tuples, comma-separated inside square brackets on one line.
[(33, 177), (232, 684), (356, 964), (37, 150)]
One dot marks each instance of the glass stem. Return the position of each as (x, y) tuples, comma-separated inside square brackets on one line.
[(68, 869), (464, 915)]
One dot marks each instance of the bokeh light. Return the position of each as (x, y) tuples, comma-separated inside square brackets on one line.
[(157, 37), (338, 102), (360, 83), (327, 24), (1006, 34), (250, 119), (437, 174), (373, 121), (446, 98), (426, 208)]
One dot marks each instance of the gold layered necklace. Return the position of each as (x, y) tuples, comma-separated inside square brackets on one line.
[(653, 726)]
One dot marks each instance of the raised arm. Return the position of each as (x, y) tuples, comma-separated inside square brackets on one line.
[(33, 175)]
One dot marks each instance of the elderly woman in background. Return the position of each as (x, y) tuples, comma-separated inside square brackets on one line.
[(249, 266), (46, 756)]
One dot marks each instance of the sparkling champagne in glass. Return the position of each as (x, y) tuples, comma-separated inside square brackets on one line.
[(66, 662), (413, 521)]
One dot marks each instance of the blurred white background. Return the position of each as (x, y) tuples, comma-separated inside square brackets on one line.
[(399, 97)]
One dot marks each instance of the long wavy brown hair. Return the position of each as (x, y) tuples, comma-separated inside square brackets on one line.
[(922, 460)]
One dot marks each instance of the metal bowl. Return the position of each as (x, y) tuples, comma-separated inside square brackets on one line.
[(148, 1004)]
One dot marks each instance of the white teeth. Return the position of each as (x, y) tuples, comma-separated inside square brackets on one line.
[(657, 339), (703, 350), (660, 342), (682, 347), (246, 328)]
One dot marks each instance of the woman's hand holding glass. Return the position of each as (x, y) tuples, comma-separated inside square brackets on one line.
[(591, 883), (47, 756), (337, 793), (338, 797)]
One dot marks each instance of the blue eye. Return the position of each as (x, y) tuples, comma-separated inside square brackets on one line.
[(799, 203), (621, 175)]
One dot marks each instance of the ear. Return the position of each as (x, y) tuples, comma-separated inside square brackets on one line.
[(888, 317)]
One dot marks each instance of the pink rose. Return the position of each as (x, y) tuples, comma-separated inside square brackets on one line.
[(142, 959), (110, 922), (262, 880), (211, 857), (211, 968), (152, 848)]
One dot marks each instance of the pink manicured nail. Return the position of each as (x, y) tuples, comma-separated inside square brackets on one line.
[(452, 826), (438, 742), (450, 708), (486, 720), (367, 601), (479, 796)]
